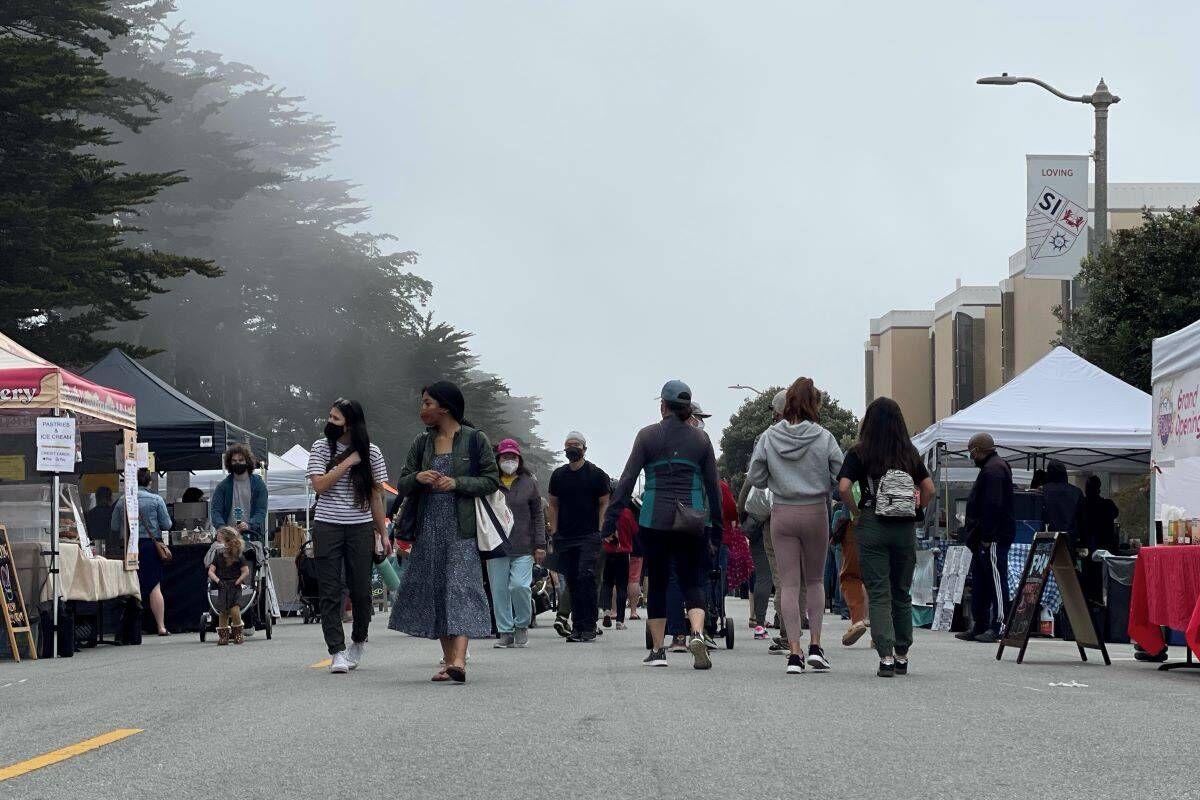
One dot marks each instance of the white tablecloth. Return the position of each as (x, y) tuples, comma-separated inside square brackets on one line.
[(91, 579)]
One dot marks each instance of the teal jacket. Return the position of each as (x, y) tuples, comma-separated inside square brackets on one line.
[(483, 483)]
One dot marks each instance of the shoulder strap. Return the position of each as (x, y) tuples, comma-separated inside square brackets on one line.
[(474, 448)]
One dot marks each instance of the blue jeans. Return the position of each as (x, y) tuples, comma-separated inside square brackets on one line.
[(512, 601)]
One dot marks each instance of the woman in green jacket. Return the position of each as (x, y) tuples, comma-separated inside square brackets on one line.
[(441, 595)]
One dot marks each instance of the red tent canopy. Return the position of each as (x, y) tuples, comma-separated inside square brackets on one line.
[(30, 383)]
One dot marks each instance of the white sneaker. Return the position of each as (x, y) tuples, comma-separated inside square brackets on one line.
[(339, 665), (355, 653)]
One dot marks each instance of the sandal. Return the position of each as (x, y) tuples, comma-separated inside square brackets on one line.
[(440, 677), (456, 674)]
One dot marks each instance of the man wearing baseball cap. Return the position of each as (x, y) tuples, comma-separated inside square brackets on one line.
[(681, 507), (578, 500)]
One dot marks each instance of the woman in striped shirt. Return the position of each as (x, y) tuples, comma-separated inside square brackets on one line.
[(346, 471)]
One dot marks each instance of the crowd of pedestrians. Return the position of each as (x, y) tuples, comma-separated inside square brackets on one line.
[(807, 514)]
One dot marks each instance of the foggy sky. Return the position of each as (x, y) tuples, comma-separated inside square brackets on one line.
[(612, 194)]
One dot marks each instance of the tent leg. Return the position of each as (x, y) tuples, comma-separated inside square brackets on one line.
[(1152, 534), (54, 512)]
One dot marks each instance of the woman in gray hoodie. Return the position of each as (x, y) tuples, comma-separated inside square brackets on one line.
[(798, 460)]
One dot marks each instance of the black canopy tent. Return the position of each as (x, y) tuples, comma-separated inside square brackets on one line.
[(182, 434)]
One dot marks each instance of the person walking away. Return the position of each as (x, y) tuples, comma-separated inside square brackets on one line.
[(448, 467), (511, 575), (614, 587), (754, 509), (99, 524), (229, 571), (895, 488), (779, 646), (154, 526), (990, 529), (240, 500), (579, 495), (636, 557), (1097, 531), (850, 584), (681, 508), (346, 472), (798, 460)]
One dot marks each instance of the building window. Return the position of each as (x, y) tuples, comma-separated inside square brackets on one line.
[(1008, 336), (869, 357), (964, 362)]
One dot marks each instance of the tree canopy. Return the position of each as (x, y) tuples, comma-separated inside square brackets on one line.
[(73, 258), (1145, 283)]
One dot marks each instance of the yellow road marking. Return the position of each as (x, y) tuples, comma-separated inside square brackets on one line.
[(321, 664), (55, 756)]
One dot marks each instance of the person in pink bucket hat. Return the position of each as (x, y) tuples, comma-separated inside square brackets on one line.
[(510, 576)]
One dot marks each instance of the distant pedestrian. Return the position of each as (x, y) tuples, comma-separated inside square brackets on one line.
[(1097, 525), (347, 472), (614, 585), (240, 500), (681, 514), (449, 466), (799, 460), (154, 525), (895, 488), (511, 575), (990, 531), (579, 494)]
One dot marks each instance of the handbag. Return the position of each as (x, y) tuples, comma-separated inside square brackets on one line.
[(688, 519), (493, 517), (164, 553)]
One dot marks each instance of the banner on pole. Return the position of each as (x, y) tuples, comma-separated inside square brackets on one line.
[(1056, 219)]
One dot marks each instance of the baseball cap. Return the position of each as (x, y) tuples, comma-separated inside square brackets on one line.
[(778, 401), (509, 446), (676, 392), (699, 412)]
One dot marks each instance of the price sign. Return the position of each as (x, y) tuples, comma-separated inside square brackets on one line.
[(56, 444)]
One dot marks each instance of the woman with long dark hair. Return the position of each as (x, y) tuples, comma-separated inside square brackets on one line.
[(346, 471), (886, 466), (441, 595)]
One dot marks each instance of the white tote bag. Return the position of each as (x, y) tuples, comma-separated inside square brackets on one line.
[(493, 524)]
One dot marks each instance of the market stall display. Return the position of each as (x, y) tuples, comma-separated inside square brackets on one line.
[(1166, 592), (12, 603), (64, 413)]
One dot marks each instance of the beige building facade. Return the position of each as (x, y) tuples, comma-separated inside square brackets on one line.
[(979, 337)]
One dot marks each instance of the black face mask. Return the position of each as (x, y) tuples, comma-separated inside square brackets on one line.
[(574, 454), (334, 431), (239, 469)]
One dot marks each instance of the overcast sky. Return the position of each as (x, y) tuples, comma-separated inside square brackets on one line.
[(611, 194)]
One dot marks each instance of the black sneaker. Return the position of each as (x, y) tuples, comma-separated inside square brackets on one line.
[(779, 649), (582, 636), (901, 667), (562, 627), (1150, 658), (988, 637), (607, 621), (699, 651), (886, 670), (965, 636), (816, 658), (657, 658), (795, 665)]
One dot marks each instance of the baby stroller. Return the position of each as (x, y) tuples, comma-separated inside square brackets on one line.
[(307, 583), (716, 624), (255, 611), (545, 597)]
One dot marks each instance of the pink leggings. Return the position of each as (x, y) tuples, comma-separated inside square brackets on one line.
[(801, 536)]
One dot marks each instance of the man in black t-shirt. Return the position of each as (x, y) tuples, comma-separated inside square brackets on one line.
[(579, 493)]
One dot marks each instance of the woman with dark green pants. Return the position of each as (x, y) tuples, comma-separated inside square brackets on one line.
[(887, 544)]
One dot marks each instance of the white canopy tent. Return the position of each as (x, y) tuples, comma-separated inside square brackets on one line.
[(1062, 408), (1175, 381)]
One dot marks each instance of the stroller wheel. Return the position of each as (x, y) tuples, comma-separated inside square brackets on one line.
[(203, 627), (729, 626)]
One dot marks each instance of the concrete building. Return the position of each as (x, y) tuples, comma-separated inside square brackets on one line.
[(899, 365), (966, 348), (979, 337)]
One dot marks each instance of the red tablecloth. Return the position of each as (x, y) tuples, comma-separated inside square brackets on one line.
[(1166, 591)]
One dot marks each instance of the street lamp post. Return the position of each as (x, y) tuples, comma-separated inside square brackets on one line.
[(740, 387), (1099, 100)]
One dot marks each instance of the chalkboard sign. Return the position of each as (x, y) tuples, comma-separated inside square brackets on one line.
[(16, 621), (1049, 554)]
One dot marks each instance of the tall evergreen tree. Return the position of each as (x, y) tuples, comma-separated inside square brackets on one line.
[(71, 262)]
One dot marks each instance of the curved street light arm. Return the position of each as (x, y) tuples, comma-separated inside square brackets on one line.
[(1082, 99)]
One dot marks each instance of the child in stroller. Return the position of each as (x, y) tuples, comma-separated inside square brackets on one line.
[(253, 594), (229, 572)]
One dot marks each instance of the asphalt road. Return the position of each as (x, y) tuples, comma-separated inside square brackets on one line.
[(588, 720)]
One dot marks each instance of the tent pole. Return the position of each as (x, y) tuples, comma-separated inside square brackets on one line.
[(1152, 534)]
